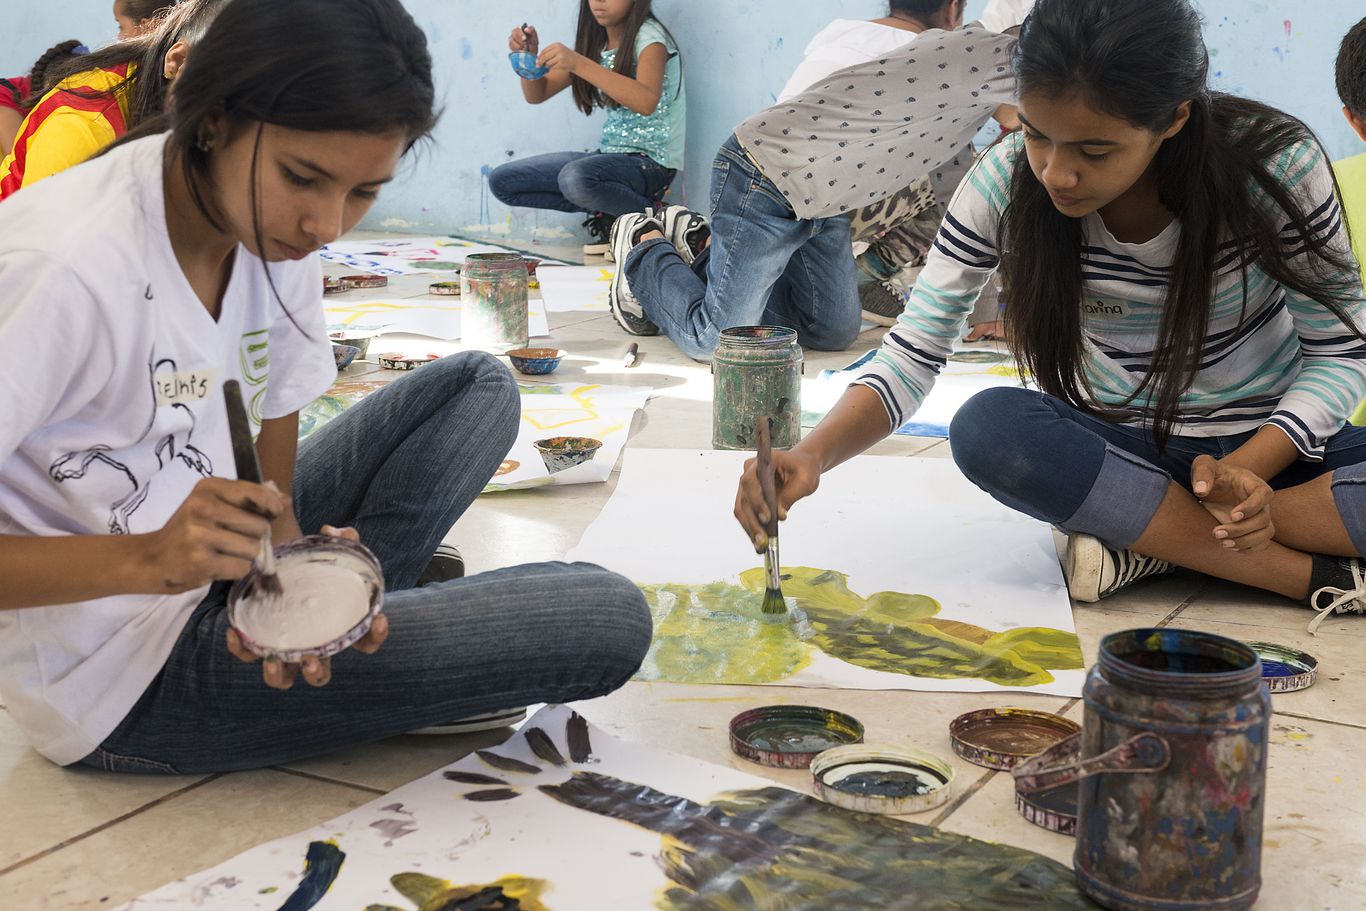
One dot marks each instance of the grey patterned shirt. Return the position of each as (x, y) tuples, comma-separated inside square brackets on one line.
[(868, 131)]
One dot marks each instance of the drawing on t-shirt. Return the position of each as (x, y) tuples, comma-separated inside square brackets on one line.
[(74, 466)]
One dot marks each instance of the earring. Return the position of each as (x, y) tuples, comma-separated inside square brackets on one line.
[(205, 143)]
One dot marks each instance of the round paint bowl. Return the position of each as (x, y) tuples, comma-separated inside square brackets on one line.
[(359, 342), (524, 64), (791, 736), (444, 289), (1053, 806), (884, 780), (560, 453), (1003, 738), (334, 285), (366, 281), (536, 361), (1286, 669), (406, 362), (344, 355), (333, 589)]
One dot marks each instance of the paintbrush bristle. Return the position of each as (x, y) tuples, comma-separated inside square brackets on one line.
[(269, 585), (774, 602)]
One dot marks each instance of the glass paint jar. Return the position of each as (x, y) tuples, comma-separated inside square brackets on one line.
[(756, 372), (494, 315)]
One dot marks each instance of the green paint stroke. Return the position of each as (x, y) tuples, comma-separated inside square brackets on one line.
[(715, 633), (769, 849)]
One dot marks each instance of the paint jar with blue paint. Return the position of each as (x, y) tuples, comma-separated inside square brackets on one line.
[(494, 310), (756, 372), (1172, 773)]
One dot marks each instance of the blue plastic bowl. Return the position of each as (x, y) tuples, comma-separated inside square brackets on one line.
[(525, 65), (344, 355), (535, 361)]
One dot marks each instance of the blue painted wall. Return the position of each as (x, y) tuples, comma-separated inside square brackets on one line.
[(738, 55)]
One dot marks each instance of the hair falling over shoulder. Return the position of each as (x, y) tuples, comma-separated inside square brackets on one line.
[(591, 41)]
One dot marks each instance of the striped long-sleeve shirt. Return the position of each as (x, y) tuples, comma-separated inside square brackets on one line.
[(1283, 360)]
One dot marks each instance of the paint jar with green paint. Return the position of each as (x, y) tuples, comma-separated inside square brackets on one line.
[(493, 291), (756, 372)]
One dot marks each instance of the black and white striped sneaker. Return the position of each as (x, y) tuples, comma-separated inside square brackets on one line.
[(1095, 570), (626, 310), (1349, 598), (686, 230)]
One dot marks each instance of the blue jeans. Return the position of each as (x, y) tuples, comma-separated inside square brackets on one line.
[(401, 466), (765, 266), (1042, 457), (610, 182)]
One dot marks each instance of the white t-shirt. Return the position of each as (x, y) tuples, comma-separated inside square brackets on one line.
[(113, 410), (1003, 14), (843, 43)]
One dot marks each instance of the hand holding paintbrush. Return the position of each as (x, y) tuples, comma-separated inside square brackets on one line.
[(774, 604), (249, 469)]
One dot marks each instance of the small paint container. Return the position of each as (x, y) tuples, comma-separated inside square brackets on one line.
[(524, 64), (334, 285), (1003, 738), (344, 355), (406, 362), (332, 590), (1286, 669), (560, 453), (444, 289), (883, 780), (355, 282), (360, 341), (536, 361), (1053, 807), (791, 736)]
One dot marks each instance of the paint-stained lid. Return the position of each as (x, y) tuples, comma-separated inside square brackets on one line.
[(1286, 669), (889, 780), (1053, 808), (790, 736), (1002, 738)]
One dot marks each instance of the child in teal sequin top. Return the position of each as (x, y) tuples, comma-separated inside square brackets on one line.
[(642, 141)]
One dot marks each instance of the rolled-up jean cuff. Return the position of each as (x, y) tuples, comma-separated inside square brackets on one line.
[(1349, 494), (1123, 500)]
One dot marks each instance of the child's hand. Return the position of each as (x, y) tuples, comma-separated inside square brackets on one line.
[(215, 534), (1238, 498), (561, 59), (796, 475), (317, 671), (527, 41)]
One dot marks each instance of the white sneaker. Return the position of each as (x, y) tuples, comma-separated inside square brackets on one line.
[(626, 310), (486, 722), (1094, 570), (1331, 600), (686, 230)]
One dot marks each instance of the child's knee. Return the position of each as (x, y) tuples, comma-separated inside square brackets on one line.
[(579, 184)]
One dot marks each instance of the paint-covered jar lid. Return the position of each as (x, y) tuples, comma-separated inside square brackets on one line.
[(892, 781)]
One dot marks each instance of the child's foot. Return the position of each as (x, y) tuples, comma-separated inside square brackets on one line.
[(486, 722), (629, 230), (446, 564), (1338, 587), (686, 230), (881, 305), (1094, 570), (599, 227)]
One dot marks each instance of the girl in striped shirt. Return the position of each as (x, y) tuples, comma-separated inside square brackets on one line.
[(1183, 295)]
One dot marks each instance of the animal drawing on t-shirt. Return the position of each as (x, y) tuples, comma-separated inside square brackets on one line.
[(74, 466)]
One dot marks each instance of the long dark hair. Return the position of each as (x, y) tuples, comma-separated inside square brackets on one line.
[(144, 93), (591, 41), (1140, 62), (51, 58), (141, 10)]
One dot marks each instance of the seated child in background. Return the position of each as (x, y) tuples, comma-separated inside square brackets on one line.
[(138, 17), (16, 91), (624, 60), (91, 101), (1351, 172)]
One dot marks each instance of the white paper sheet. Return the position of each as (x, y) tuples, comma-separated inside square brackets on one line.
[(910, 526), (432, 317), (407, 255), (568, 288)]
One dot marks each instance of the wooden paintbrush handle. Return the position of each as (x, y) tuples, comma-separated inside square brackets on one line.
[(767, 481), (239, 429)]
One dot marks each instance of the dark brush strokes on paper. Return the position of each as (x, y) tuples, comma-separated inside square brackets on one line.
[(543, 746), (322, 864), (576, 734), (472, 778), (507, 763), (492, 795)]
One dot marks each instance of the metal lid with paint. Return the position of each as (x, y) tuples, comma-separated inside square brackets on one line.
[(887, 780), (366, 280), (1002, 738), (1286, 669), (445, 289), (1054, 807), (790, 736)]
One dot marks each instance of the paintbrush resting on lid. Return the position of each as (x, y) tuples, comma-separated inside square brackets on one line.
[(774, 603), (249, 469)]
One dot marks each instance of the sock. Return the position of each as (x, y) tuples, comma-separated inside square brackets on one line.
[(1331, 572)]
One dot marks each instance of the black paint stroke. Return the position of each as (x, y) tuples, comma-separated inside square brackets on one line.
[(493, 795), (543, 746), (507, 763), (472, 778), (322, 865), (576, 733)]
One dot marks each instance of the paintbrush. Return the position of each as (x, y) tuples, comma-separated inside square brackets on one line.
[(249, 469), (774, 603)]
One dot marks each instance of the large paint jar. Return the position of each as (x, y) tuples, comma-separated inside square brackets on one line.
[(493, 291), (756, 372), (1176, 725)]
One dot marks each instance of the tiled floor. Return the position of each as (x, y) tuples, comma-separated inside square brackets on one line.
[(82, 839)]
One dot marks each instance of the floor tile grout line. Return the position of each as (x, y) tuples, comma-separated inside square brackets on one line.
[(1344, 724), (66, 843), (313, 776), (962, 798), (1189, 600)]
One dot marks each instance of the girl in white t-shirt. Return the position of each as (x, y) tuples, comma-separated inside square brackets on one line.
[(193, 262)]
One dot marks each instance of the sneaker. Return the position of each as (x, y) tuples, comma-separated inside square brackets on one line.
[(1095, 570), (1331, 599), (486, 722), (881, 305), (599, 227), (626, 310), (446, 564), (686, 230)]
